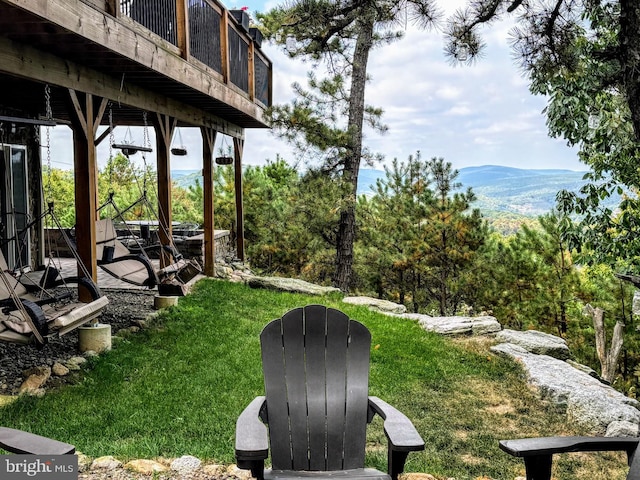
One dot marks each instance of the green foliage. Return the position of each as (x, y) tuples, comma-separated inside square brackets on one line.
[(419, 238), (178, 387), (59, 189)]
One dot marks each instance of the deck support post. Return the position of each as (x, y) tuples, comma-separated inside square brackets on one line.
[(208, 141), (164, 126), (88, 111), (238, 145)]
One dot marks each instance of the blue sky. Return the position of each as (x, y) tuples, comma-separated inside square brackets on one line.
[(478, 115)]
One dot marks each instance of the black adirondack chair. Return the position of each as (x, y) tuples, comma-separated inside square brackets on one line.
[(21, 442), (538, 452), (315, 362)]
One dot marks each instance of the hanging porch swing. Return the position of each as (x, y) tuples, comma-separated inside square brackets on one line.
[(36, 305)]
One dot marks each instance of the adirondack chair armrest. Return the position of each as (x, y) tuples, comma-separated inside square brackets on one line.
[(401, 434), (21, 442), (252, 441), (537, 453)]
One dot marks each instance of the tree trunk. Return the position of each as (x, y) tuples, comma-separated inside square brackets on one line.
[(347, 227), (608, 360), (630, 58)]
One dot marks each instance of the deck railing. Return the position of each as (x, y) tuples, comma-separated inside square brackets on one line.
[(205, 31)]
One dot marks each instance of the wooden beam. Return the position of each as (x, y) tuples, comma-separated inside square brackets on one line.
[(85, 175), (224, 45), (124, 37), (251, 71), (238, 146), (23, 61), (164, 126), (182, 21), (208, 141)]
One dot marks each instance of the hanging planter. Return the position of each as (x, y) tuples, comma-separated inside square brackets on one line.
[(242, 19), (127, 147), (224, 160), (180, 150), (130, 149)]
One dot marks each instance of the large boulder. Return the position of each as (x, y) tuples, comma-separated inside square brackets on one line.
[(536, 342), (289, 285), (588, 402), (377, 304), (456, 325)]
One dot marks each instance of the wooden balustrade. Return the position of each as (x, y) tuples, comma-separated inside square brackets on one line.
[(204, 31)]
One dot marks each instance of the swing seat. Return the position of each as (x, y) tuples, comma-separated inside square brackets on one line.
[(135, 268), (51, 315), (116, 259)]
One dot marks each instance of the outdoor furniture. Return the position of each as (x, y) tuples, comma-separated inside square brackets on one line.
[(538, 452), (315, 362), (21, 442), (116, 259), (28, 312)]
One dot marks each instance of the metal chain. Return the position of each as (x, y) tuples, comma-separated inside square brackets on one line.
[(112, 141), (49, 116)]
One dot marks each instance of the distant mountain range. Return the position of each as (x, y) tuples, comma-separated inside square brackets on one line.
[(526, 192), (499, 190)]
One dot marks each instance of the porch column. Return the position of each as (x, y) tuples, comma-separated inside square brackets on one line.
[(164, 127), (208, 140), (238, 145), (88, 113)]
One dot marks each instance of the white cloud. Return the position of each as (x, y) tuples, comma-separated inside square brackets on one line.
[(483, 114)]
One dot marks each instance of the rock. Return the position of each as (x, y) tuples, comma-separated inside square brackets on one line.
[(289, 285), (588, 402), (145, 467), (214, 469), (90, 354), (84, 462), (536, 342), (59, 370), (42, 371), (185, 464), (238, 473), (36, 378), (105, 463), (622, 429), (456, 325), (75, 363), (584, 368), (376, 304)]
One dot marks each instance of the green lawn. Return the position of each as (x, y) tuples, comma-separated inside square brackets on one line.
[(177, 388)]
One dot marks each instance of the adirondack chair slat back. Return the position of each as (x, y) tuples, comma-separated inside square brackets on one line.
[(316, 372)]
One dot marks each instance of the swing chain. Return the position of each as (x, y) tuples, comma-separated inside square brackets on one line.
[(49, 116), (111, 143)]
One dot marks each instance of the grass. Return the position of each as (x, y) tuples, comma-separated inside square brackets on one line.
[(178, 387)]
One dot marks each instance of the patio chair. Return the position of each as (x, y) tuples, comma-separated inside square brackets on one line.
[(21, 442), (537, 453), (315, 362)]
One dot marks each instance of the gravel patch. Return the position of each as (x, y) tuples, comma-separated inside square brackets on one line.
[(126, 307)]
